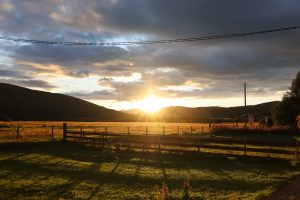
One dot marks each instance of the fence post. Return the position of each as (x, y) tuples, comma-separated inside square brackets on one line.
[(297, 150), (106, 132), (245, 146), (202, 129), (52, 133), (178, 130), (18, 131), (146, 130), (128, 132), (64, 132), (191, 129), (163, 130), (117, 146)]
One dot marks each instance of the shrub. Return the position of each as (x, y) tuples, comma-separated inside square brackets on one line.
[(253, 131)]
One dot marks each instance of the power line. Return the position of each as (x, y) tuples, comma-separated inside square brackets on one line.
[(193, 39)]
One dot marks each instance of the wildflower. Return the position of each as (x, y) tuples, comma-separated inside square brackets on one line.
[(164, 191), (186, 187), (186, 184)]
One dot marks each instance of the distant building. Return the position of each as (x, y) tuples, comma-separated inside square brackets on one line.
[(250, 119)]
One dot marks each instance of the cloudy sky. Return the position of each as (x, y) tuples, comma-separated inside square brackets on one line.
[(203, 73)]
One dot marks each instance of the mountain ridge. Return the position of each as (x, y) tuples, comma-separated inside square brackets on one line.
[(205, 114), (19, 103)]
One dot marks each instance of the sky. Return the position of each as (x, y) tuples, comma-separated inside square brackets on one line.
[(193, 74)]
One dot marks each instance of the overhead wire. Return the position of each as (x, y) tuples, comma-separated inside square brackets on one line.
[(148, 42)]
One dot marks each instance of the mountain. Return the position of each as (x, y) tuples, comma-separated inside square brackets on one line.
[(18, 103), (205, 114)]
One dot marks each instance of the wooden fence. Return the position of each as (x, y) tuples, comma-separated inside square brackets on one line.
[(17, 133), (181, 143)]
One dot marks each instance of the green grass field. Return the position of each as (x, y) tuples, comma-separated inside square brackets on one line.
[(65, 171)]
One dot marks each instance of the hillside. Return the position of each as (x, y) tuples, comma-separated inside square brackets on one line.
[(205, 114), (219, 112), (18, 103)]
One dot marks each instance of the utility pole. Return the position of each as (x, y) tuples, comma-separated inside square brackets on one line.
[(245, 100)]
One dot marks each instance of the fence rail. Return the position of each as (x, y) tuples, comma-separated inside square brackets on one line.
[(173, 142)]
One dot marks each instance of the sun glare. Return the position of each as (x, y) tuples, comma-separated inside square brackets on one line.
[(151, 104)]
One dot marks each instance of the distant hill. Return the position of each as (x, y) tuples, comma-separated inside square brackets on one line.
[(259, 110), (18, 103), (134, 111), (205, 114)]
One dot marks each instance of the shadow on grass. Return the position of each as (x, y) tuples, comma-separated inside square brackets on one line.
[(221, 166)]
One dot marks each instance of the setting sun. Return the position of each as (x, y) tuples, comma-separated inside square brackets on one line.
[(151, 104)]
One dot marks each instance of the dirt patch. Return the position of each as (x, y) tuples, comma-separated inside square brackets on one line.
[(290, 191)]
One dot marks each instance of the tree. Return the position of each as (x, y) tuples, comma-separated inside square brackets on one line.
[(288, 109)]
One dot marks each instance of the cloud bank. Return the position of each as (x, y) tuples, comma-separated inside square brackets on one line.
[(195, 70)]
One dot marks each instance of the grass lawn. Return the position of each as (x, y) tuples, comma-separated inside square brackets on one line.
[(60, 171)]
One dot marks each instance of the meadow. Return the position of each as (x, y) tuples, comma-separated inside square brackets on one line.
[(33, 166), (28, 131)]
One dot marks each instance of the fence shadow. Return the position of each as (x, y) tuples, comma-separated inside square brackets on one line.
[(41, 166)]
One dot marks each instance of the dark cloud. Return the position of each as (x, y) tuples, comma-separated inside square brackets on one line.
[(72, 61), (101, 94), (66, 55), (174, 17), (21, 79), (29, 83), (12, 74)]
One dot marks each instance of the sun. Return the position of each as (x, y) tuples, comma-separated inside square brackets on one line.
[(151, 104)]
